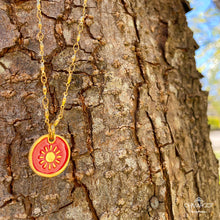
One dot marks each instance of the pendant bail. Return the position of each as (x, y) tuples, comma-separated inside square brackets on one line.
[(51, 131)]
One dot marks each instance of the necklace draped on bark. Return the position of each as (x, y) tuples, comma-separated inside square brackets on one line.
[(50, 154)]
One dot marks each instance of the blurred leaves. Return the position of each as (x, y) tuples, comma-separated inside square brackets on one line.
[(214, 122), (204, 20)]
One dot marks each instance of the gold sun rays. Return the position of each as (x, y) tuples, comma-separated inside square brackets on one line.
[(50, 157)]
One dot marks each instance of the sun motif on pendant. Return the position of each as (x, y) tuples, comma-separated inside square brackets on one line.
[(50, 157)]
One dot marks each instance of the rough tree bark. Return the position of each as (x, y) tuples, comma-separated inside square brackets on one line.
[(135, 116), (217, 2)]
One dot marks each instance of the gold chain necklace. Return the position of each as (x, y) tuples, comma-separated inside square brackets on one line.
[(50, 154)]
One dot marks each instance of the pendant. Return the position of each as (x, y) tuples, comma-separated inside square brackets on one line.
[(49, 159)]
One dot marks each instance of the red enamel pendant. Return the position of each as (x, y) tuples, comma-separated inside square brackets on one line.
[(49, 159)]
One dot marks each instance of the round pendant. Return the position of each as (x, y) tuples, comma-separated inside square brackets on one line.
[(49, 159)]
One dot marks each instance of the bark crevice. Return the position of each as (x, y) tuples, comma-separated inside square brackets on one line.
[(89, 128), (134, 17), (78, 182), (168, 199), (90, 202)]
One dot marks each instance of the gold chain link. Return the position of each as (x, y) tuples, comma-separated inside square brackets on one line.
[(72, 66)]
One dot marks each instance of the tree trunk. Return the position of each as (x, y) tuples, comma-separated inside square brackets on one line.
[(135, 115)]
